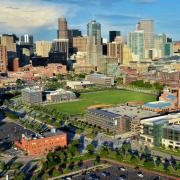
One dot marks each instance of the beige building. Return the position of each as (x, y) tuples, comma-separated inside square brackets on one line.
[(43, 48), (115, 50), (148, 27), (127, 55), (62, 29), (119, 39), (3, 58), (80, 44), (8, 41), (83, 68)]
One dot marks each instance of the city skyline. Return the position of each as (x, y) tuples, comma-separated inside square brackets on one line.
[(123, 17)]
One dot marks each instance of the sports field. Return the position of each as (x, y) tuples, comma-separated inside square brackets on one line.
[(103, 97)]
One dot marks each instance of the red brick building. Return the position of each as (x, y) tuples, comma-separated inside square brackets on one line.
[(42, 145), (16, 64)]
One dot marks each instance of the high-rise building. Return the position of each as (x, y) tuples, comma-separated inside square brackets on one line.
[(61, 45), (120, 39), (159, 41), (10, 42), (115, 50), (113, 35), (127, 55), (94, 29), (80, 44), (62, 32), (3, 58), (43, 48), (148, 27), (73, 33), (168, 50), (136, 43), (94, 52), (27, 39)]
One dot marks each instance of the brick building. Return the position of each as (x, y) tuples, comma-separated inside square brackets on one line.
[(3, 59), (42, 145)]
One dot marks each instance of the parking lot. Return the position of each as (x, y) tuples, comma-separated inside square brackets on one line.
[(10, 131), (115, 173)]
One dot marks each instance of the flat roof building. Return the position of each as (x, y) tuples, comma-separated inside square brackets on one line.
[(171, 136), (60, 95), (152, 128), (117, 119), (32, 95), (41, 145), (79, 84), (100, 79)]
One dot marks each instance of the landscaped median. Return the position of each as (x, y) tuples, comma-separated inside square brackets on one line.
[(64, 161)]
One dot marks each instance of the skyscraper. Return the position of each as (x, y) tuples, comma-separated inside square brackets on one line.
[(27, 39), (168, 50), (73, 33), (148, 27), (3, 58), (159, 41), (136, 43), (11, 47), (113, 35), (61, 45), (94, 29), (62, 32)]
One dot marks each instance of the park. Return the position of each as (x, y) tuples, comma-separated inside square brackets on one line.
[(111, 97)]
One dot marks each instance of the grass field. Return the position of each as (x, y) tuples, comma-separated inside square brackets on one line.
[(104, 97)]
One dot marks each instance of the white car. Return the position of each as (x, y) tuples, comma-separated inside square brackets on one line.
[(122, 168), (140, 174)]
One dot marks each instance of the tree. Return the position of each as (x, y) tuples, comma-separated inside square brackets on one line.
[(158, 161), (90, 148), (98, 159), (146, 150), (125, 148), (2, 165), (80, 163)]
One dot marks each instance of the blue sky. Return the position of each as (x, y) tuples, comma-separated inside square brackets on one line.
[(39, 17)]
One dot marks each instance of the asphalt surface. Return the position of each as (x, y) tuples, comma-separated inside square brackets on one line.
[(10, 131), (115, 173)]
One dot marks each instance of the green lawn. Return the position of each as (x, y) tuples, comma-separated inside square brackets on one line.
[(103, 97)]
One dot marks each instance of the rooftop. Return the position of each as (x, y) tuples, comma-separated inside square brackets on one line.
[(134, 112), (160, 119), (158, 104), (104, 112)]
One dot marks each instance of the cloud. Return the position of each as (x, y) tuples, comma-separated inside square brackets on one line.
[(28, 15), (119, 16)]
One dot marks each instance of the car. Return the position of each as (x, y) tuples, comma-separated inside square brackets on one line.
[(105, 173), (122, 168), (93, 176), (140, 174), (122, 177), (156, 178)]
